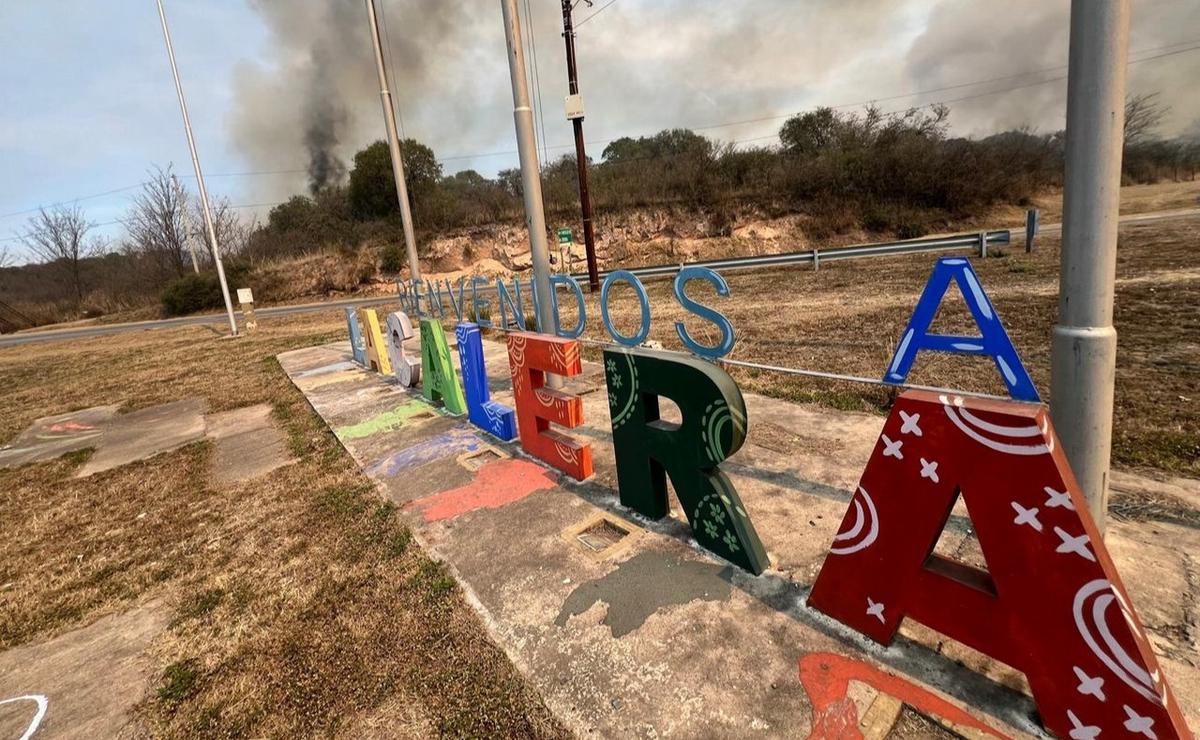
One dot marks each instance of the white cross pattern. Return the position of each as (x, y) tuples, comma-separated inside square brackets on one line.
[(875, 609), (929, 470), (1089, 686), (1082, 731), (1077, 545), (1026, 516), (892, 449), (1144, 726), (910, 424), (1057, 498)]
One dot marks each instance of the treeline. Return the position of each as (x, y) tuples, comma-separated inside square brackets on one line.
[(890, 173)]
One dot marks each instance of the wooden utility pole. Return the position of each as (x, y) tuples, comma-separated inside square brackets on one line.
[(575, 114)]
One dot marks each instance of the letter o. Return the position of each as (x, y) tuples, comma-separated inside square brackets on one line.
[(643, 299)]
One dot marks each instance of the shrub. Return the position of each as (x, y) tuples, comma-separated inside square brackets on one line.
[(392, 260), (201, 291)]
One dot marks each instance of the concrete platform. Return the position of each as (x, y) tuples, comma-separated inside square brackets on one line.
[(629, 629)]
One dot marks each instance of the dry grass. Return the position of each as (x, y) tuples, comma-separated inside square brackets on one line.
[(847, 317), (301, 604)]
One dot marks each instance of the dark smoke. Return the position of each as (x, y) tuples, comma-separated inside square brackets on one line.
[(325, 121)]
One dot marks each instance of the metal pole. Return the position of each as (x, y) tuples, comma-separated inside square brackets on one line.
[(531, 180), (585, 197), (1084, 345), (187, 127), (188, 233), (393, 134)]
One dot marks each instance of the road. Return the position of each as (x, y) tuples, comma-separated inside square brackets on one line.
[(54, 335)]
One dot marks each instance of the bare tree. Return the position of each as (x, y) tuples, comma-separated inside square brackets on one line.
[(232, 233), (6, 257), (1143, 114), (59, 237), (157, 226)]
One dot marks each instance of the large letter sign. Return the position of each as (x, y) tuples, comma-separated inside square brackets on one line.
[(647, 449), (530, 357), (494, 418), (357, 346), (1050, 603), (993, 342), (441, 384), (377, 356), (400, 330)]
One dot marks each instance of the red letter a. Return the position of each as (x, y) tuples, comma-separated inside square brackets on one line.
[(1050, 604)]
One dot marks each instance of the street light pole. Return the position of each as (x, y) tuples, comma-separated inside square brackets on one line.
[(187, 127), (575, 113), (1084, 345), (393, 136), (531, 179)]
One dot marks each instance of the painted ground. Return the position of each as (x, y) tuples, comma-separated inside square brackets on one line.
[(627, 628)]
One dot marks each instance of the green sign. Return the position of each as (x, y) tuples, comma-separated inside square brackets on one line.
[(566, 236)]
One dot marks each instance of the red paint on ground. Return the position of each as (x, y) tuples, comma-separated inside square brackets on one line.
[(826, 677), (498, 484)]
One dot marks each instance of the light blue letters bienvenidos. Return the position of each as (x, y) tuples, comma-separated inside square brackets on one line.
[(643, 299), (728, 337)]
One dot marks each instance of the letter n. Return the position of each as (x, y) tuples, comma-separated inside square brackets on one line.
[(1050, 603), (494, 418), (530, 357), (649, 449), (993, 341), (358, 347), (440, 383)]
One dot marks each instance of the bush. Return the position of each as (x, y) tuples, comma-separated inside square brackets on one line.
[(391, 262), (201, 291)]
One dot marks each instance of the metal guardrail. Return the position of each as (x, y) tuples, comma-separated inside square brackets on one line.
[(980, 242)]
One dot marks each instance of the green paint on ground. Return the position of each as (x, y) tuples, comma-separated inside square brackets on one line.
[(386, 422)]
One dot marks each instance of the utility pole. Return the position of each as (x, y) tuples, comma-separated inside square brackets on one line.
[(188, 233), (187, 127), (393, 134), (1084, 345), (531, 178), (575, 114)]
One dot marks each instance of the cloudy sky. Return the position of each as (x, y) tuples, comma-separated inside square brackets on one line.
[(87, 103)]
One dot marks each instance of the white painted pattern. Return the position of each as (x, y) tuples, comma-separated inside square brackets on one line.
[(1093, 627), (929, 470), (952, 411), (910, 423), (1077, 545), (867, 519), (1143, 726), (1026, 517), (875, 609), (1080, 731), (1058, 499), (42, 704), (1089, 685), (892, 449)]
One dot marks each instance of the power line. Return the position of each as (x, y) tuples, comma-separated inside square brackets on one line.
[(123, 222), (599, 10)]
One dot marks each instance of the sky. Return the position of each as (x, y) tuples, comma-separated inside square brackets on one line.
[(87, 105)]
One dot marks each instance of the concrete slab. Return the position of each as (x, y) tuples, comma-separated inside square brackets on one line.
[(54, 436), (89, 678), (248, 444), (145, 433), (654, 637)]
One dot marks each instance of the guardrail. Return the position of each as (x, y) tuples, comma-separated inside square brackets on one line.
[(980, 242)]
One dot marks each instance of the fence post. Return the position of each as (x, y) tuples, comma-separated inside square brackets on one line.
[(1032, 223), (816, 259), (983, 244)]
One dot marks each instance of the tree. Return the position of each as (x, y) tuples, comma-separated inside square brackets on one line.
[(157, 225), (6, 257), (59, 237), (292, 215), (1143, 114), (373, 186)]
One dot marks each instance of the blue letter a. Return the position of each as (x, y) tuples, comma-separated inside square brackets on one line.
[(993, 342)]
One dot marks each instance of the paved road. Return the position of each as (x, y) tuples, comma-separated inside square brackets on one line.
[(52, 335)]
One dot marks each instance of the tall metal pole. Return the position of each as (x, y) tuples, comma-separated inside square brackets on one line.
[(585, 197), (531, 179), (1084, 346), (188, 234), (393, 134), (187, 127)]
